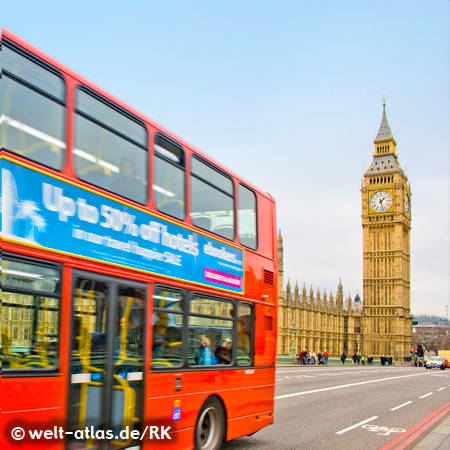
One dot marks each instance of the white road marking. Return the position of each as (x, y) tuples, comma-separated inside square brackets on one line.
[(441, 389), (383, 431), (400, 406), (342, 386), (427, 395), (356, 425)]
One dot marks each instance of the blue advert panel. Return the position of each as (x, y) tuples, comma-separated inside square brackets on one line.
[(43, 211)]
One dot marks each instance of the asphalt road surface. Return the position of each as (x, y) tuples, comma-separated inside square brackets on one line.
[(352, 407)]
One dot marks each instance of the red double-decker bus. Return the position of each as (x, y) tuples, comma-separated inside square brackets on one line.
[(139, 275)]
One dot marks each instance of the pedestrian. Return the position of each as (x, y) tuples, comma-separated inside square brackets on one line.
[(343, 358), (363, 360), (320, 358), (305, 357), (354, 358), (313, 358), (325, 357)]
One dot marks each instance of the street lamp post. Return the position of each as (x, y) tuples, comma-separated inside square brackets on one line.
[(358, 343), (292, 330)]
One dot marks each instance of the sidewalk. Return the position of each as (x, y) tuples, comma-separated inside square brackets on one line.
[(438, 439)]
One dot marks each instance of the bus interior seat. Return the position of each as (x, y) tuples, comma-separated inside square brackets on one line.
[(173, 208), (94, 405), (202, 222), (96, 177), (47, 155), (226, 231), (92, 172), (248, 241), (118, 408)]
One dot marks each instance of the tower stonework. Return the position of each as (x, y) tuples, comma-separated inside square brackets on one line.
[(386, 222)]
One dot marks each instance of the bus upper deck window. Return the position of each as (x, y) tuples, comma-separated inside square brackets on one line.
[(247, 223), (32, 99), (212, 199), (110, 147), (169, 182)]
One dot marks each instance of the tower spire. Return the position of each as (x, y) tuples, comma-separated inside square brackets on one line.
[(384, 133), (384, 142)]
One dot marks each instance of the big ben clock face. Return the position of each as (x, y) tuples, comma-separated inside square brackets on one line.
[(381, 201), (407, 203)]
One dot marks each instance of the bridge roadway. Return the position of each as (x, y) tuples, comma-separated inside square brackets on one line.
[(353, 407)]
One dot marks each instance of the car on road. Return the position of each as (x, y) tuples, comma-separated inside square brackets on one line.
[(436, 362)]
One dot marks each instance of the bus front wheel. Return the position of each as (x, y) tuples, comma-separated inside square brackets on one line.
[(210, 426)]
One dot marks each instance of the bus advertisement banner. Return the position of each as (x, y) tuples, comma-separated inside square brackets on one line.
[(48, 212)]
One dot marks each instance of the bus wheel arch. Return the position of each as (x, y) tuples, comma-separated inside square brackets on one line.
[(211, 425)]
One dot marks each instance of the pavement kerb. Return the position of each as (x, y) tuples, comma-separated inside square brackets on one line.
[(438, 439)]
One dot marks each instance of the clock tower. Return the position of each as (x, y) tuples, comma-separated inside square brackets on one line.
[(386, 222)]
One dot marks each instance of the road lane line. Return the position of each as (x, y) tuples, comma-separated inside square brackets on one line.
[(426, 395), (441, 389), (357, 425), (415, 427), (342, 386), (400, 406)]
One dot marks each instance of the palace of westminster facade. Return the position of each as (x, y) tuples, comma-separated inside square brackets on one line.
[(381, 323)]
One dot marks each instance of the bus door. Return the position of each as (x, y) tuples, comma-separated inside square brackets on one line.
[(106, 389)]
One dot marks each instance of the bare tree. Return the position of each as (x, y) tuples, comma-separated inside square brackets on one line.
[(432, 338)]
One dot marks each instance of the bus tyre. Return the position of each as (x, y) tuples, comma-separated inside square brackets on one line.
[(210, 426)]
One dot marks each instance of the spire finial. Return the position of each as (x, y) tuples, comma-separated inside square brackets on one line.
[(384, 100)]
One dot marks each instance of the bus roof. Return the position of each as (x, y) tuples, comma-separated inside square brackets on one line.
[(86, 82)]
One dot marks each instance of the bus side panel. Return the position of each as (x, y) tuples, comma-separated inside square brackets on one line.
[(266, 230), (247, 396), (265, 335), (261, 267), (250, 424), (33, 404)]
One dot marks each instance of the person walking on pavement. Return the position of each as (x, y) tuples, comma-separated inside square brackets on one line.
[(343, 358)]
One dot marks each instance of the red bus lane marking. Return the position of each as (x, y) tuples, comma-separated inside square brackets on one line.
[(422, 426), (423, 429)]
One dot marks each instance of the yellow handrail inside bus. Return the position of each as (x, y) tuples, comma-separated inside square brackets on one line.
[(129, 407)]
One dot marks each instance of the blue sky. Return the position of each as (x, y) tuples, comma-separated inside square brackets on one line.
[(289, 95)]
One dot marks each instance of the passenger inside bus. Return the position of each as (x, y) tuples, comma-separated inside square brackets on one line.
[(126, 182), (132, 313), (224, 352), (166, 339), (243, 350), (204, 355)]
